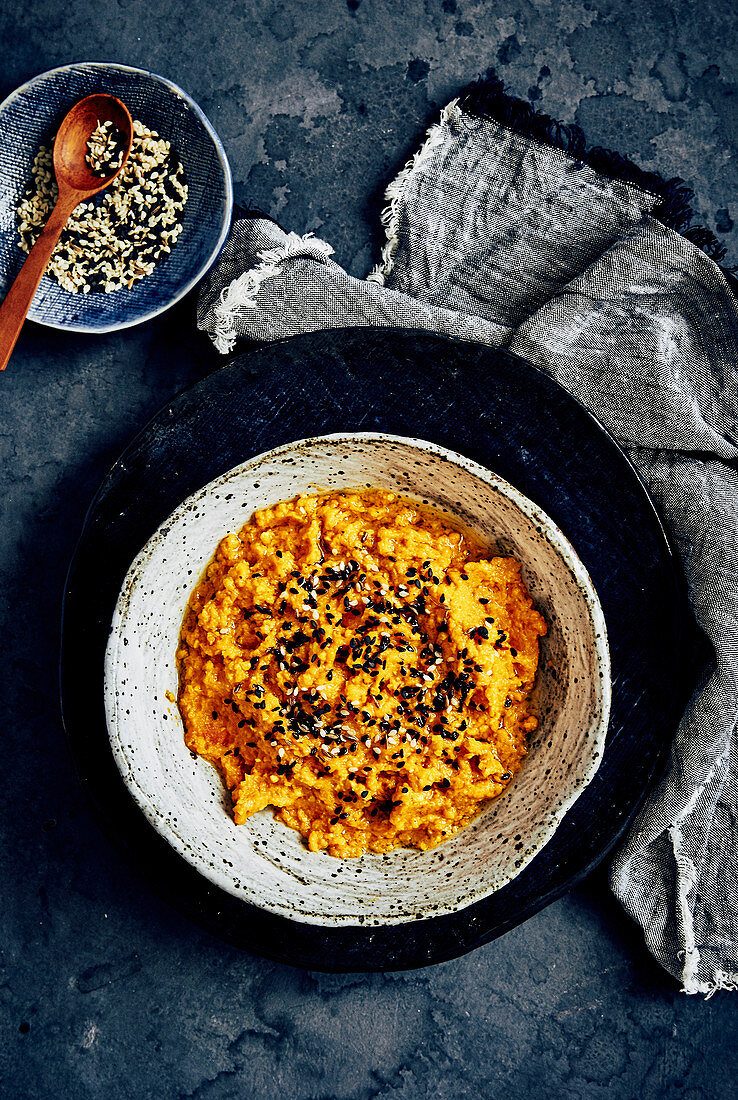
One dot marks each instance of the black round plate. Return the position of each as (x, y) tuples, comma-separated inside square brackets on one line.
[(498, 410)]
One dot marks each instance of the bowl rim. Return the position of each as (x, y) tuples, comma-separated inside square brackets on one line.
[(562, 547), (228, 197)]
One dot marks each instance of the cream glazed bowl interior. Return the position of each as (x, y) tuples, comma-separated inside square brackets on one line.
[(264, 862)]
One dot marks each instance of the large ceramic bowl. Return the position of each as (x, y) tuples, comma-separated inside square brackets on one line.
[(30, 117), (264, 862)]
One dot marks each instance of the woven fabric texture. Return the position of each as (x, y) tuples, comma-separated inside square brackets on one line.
[(502, 237)]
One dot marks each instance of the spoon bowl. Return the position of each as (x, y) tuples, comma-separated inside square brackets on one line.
[(70, 147)]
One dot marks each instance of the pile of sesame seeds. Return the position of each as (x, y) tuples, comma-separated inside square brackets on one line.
[(385, 619), (105, 149), (120, 235)]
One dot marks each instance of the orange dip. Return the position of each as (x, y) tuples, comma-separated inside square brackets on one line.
[(363, 666)]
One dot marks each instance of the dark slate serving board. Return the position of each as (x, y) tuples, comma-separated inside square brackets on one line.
[(498, 410)]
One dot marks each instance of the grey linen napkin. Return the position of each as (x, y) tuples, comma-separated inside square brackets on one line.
[(502, 229)]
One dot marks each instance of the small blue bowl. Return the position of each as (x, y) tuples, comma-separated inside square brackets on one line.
[(30, 116)]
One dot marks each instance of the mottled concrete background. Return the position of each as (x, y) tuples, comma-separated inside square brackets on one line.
[(104, 991)]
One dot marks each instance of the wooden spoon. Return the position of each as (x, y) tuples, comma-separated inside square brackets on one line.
[(76, 182)]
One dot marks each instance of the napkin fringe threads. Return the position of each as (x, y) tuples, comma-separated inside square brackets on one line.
[(240, 295), (390, 217), (486, 99)]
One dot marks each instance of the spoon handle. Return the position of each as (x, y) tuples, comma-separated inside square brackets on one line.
[(18, 299)]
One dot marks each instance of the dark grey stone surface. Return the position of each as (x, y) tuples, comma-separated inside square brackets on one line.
[(104, 991)]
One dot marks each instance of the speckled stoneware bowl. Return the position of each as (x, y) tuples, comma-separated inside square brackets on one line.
[(266, 863), (30, 116)]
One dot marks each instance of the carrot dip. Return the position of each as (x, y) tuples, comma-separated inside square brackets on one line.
[(358, 663)]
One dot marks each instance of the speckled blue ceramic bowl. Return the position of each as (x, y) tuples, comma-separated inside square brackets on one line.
[(29, 117)]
